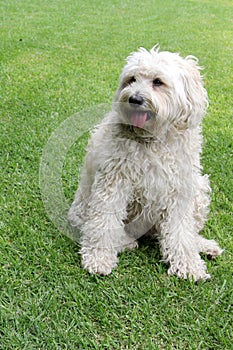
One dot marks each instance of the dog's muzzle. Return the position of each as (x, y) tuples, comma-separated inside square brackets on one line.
[(137, 115), (136, 100)]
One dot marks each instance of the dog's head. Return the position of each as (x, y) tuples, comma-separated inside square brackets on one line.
[(158, 90)]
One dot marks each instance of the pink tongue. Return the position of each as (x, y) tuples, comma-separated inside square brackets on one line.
[(138, 119)]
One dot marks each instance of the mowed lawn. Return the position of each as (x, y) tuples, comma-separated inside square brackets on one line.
[(59, 58)]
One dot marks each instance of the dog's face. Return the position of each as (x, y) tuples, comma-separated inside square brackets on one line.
[(158, 90)]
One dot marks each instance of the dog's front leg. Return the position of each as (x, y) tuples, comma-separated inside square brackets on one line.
[(178, 243), (103, 234)]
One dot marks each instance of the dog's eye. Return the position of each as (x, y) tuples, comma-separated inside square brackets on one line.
[(131, 80), (157, 82)]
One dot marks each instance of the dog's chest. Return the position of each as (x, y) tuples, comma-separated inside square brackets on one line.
[(153, 173)]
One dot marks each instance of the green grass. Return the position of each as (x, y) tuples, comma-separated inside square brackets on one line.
[(61, 57)]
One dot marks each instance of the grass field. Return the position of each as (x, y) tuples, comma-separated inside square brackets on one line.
[(59, 58)]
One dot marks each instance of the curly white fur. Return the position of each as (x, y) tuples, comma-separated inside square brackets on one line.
[(142, 171)]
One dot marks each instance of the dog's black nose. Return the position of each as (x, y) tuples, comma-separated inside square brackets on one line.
[(136, 100)]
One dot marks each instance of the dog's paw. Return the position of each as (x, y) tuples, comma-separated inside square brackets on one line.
[(99, 261), (210, 247), (130, 246), (194, 270)]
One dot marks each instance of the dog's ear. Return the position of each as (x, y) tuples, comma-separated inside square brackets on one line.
[(196, 95)]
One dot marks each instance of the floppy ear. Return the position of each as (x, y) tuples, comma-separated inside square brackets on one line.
[(196, 95)]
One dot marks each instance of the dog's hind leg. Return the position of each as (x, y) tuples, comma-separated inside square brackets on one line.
[(201, 201), (209, 247)]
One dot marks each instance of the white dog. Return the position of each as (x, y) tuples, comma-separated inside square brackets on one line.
[(142, 171)]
